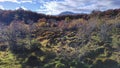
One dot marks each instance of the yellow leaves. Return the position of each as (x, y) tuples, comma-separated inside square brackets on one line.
[(102, 59), (67, 19), (77, 23), (48, 33), (66, 49), (6, 55), (95, 38), (81, 20), (33, 53), (116, 56), (8, 60), (2, 54), (44, 42), (41, 24), (42, 58)]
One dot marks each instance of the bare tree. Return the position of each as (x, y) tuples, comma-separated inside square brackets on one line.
[(14, 33), (85, 30)]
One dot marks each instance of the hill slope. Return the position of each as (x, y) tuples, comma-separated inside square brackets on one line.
[(69, 43)]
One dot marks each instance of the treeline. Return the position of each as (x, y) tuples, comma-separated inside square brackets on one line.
[(7, 16)]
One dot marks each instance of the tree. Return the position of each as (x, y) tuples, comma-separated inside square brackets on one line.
[(14, 33)]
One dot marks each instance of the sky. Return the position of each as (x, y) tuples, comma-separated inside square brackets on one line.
[(54, 7)]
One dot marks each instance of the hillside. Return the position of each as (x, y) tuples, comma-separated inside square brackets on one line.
[(31, 40)]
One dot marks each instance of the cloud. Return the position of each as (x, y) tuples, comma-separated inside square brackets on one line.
[(77, 6), (55, 7), (8, 0), (17, 1), (1, 7)]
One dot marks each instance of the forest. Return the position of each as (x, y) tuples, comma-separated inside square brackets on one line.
[(33, 40)]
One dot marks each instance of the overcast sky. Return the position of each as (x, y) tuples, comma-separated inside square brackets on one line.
[(54, 7)]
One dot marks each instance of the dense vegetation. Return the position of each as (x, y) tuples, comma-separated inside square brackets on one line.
[(31, 40)]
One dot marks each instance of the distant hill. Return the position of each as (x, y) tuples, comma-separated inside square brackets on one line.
[(67, 13)]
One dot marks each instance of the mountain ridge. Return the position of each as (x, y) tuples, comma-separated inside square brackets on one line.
[(67, 13)]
